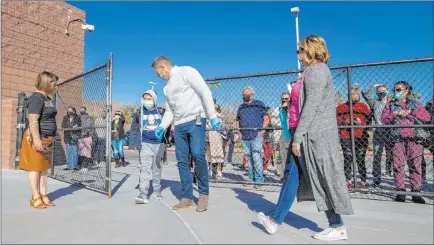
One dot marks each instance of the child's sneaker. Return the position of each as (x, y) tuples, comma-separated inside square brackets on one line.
[(141, 199), (157, 195)]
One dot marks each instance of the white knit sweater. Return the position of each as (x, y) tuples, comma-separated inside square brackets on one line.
[(187, 95)]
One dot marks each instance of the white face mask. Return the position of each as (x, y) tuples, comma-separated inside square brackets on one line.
[(148, 104)]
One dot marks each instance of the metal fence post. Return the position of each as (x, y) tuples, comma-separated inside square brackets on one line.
[(56, 102), (108, 127), (20, 127), (353, 143)]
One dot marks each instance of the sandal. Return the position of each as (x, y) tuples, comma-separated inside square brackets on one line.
[(33, 202), (48, 203)]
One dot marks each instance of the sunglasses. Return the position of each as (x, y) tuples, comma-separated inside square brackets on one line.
[(300, 50)]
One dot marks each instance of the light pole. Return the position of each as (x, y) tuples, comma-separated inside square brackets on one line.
[(296, 11), (152, 83)]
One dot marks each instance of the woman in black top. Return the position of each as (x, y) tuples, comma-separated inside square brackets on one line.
[(70, 121), (36, 147)]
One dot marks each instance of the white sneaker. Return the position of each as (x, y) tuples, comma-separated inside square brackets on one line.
[(270, 226), (332, 234), (141, 199)]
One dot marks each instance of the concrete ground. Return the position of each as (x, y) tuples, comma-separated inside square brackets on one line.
[(84, 216)]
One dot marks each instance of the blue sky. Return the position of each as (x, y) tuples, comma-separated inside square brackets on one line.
[(231, 38)]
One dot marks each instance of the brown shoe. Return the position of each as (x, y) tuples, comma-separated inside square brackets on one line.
[(184, 203), (202, 204)]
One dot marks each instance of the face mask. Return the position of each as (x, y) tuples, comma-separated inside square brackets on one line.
[(82, 113), (397, 95), (381, 95), (70, 113), (148, 104), (246, 98)]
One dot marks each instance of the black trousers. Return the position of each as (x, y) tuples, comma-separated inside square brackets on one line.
[(361, 145)]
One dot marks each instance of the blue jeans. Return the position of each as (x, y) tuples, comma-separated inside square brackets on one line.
[(288, 191), (71, 156), (252, 150), (118, 148), (189, 136), (231, 151)]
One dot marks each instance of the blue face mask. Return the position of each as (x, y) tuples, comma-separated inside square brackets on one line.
[(148, 104), (397, 95), (381, 95)]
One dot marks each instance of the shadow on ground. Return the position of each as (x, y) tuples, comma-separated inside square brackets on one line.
[(257, 203), (65, 191)]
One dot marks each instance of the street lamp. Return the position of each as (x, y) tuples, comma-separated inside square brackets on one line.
[(296, 11), (84, 26), (152, 83)]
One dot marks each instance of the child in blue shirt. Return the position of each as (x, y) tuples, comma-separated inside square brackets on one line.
[(152, 150)]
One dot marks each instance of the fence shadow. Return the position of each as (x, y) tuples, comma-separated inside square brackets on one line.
[(120, 183), (65, 191), (257, 203)]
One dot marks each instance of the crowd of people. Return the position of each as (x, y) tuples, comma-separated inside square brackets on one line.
[(310, 140)]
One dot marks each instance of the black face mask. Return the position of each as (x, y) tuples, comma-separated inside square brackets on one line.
[(246, 98), (82, 113), (70, 113)]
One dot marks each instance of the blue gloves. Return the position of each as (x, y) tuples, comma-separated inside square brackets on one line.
[(159, 133), (215, 123)]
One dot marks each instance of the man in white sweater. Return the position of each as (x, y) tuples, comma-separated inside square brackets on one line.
[(188, 102)]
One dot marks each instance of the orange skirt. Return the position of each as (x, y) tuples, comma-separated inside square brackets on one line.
[(33, 160)]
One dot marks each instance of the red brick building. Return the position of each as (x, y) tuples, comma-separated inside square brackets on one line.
[(33, 40)]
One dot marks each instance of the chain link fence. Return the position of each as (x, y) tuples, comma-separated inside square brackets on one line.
[(380, 156)]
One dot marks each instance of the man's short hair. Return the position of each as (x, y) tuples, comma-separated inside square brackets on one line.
[(250, 88), (83, 107), (158, 60)]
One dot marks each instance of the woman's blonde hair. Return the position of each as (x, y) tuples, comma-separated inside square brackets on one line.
[(44, 82), (315, 48)]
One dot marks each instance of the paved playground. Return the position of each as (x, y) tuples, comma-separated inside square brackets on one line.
[(84, 216)]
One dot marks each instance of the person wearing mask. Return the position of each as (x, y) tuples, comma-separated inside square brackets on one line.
[(71, 121), (314, 169), (118, 139), (381, 135), (100, 143), (189, 102), (85, 142), (428, 143), (252, 114), (405, 110), (280, 118), (361, 116), (36, 147), (152, 150)]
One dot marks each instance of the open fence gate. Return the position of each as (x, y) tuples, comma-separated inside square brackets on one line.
[(82, 148)]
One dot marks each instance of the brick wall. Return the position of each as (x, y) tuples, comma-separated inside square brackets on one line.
[(33, 40)]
